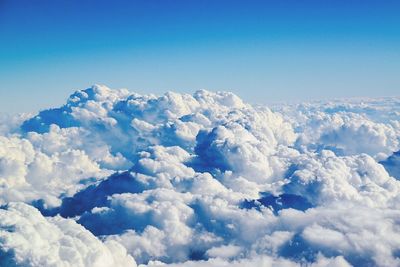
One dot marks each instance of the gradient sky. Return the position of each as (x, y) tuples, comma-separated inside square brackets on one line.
[(264, 51)]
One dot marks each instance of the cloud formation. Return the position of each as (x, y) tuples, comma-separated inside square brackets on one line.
[(28, 238), (113, 178)]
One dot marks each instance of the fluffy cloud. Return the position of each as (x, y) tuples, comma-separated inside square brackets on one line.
[(26, 173), (29, 239), (351, 127), (201, 180)]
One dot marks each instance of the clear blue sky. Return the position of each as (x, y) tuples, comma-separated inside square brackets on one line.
[(264, 51)]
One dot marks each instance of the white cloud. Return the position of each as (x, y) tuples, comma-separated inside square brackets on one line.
[(28, 238), (201, 180)]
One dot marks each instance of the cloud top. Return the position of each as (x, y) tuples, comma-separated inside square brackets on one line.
[(114, 178)]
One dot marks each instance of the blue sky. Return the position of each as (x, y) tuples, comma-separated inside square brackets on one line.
[(264, 51)]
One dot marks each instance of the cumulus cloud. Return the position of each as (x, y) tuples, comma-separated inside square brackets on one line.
[(200, 180), (28, 238), (350, 127)]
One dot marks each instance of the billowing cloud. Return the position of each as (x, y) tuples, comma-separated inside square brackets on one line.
[(114, 177), (28, 238)]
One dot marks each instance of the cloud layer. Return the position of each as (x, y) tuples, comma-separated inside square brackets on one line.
[(114, 178)]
